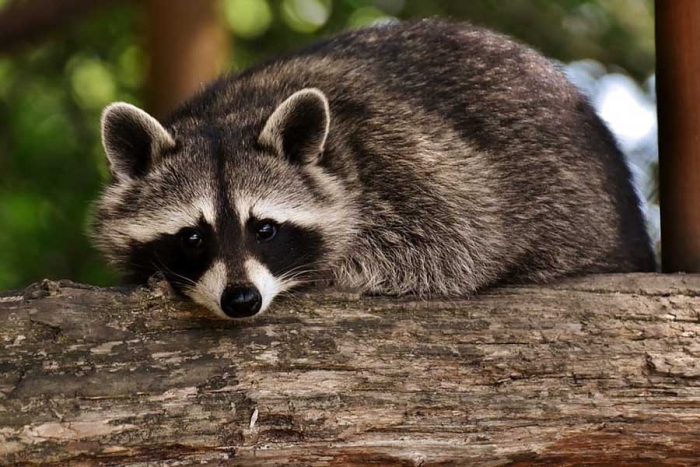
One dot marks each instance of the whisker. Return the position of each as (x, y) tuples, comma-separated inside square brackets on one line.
[(299, 270), (170, 271)]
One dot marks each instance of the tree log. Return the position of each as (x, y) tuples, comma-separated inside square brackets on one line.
[(602, 370)]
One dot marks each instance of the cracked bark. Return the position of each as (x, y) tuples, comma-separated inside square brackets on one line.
[(598, 371)]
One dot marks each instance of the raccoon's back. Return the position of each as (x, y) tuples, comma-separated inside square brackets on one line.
[(565, 183), (418, 107)]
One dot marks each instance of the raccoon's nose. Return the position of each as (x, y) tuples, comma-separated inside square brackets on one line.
[(241, 301)]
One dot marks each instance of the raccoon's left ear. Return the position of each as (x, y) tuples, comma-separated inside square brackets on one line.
[(132, 140), (298, 127)]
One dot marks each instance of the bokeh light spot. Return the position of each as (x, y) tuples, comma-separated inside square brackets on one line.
[(92, 83), (368, 16), (248, 18), (306, 15)]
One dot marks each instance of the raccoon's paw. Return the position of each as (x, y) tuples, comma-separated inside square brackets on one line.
[(158, 286)]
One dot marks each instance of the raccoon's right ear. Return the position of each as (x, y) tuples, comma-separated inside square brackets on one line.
[(132, 138), (298, 127)]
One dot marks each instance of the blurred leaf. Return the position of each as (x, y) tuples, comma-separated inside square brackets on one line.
[(22, 212), (6, 75), (131, 67), (367, 16), (41, 131), (306, 15), (248, 18), (92, 82), (392, 7)]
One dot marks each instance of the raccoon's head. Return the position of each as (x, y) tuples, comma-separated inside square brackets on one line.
[(232, 211)]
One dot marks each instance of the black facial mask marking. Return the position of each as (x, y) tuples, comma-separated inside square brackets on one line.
[(184, 257), (293, 249), (181, 261)]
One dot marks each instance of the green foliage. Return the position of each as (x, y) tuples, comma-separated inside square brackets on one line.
[(51, 162), (248, 18), (51, 95)]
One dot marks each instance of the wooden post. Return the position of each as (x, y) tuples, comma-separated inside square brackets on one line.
[(678, 91), (188, 45)]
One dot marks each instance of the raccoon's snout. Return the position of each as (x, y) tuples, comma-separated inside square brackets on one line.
[(241, 302)]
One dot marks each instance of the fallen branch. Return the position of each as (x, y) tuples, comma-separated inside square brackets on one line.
[(596, 371)]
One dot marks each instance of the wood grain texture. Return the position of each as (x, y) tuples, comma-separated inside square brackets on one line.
[(600, 371)]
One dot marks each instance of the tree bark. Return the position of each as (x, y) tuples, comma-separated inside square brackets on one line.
[(601, 371), (188, 46), (678, 91)]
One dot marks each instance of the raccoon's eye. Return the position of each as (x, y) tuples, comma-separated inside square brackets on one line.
[(266, 230), (191, 238)]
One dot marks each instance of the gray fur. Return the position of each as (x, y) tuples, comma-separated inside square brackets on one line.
[(451, 159)]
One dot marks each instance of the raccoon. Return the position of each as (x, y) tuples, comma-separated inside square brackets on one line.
[(428, 158)]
